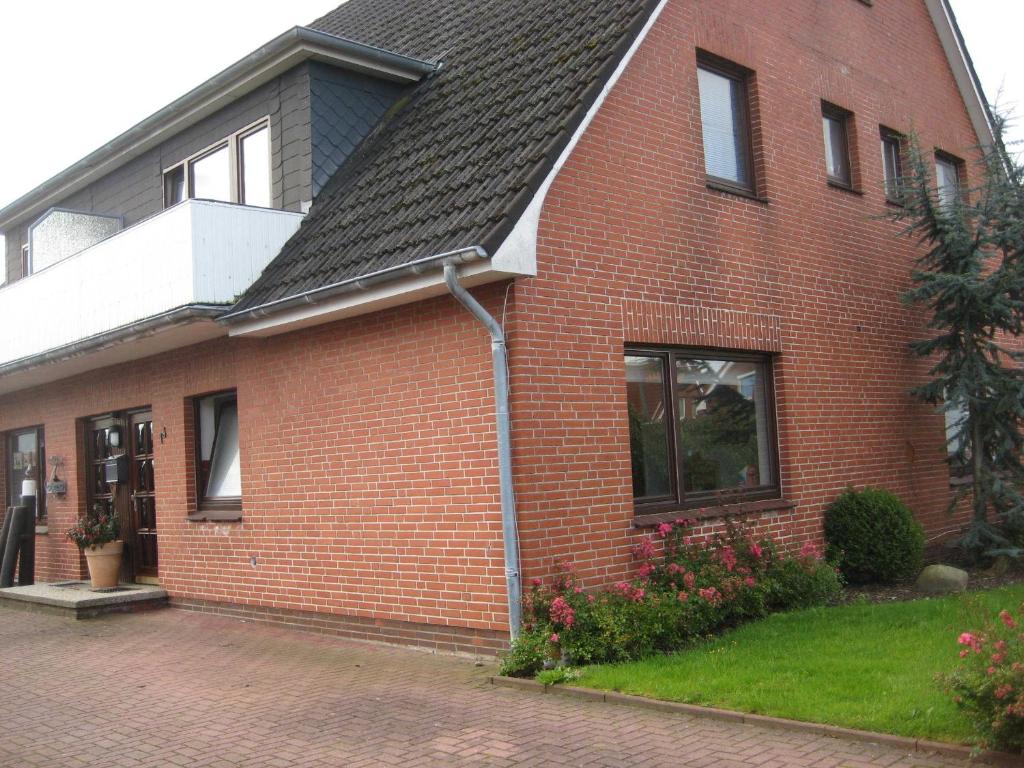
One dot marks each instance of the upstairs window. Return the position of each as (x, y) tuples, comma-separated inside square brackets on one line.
[(218, 457), (725, 123), (948, 178), (835, 125), (26, 261), (234, 170), (701, 427), (892, 164)]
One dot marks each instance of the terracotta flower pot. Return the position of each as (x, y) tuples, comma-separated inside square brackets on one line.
[(104, 564)]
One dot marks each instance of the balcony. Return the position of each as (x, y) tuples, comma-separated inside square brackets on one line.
[(149, 288)]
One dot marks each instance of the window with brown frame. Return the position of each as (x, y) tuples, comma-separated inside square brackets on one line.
[(218, 459), (234, 170), (26, 464), (949, 175), (725, 123), (892, 164), (701, 427), (835, 123)]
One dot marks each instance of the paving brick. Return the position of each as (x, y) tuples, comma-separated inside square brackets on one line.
[(176, 688)]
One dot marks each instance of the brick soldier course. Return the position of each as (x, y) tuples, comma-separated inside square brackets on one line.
[(201, 691)]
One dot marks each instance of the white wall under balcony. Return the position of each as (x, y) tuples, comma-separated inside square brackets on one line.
[(198, 252)]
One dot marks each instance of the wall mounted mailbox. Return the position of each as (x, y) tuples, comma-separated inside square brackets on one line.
[(115, 469)]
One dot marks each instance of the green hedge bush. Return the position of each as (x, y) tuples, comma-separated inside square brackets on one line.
[(873, 536)]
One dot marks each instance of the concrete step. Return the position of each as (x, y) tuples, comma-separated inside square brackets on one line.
[(77, 599)]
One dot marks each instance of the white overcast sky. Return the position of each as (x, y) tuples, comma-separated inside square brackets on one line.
[(73, 75)]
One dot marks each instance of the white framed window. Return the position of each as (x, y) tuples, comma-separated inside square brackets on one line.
[(235, 169), (948, 178)]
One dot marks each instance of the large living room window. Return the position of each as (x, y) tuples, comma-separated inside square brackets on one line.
[(725, 123), (701, 426), (234, 170)]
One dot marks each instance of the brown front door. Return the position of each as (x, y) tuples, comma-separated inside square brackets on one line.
[(143, 494), (134, 499)]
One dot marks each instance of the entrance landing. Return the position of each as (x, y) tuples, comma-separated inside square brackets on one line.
[(77, 599)]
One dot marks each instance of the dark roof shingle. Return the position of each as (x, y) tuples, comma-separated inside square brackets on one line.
[(457, 159)]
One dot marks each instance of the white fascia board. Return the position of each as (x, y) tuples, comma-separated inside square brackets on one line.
[(520, 247), (966, 81), (381, 296)]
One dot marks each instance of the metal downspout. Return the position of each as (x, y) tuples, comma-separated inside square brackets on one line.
[(509, 527)]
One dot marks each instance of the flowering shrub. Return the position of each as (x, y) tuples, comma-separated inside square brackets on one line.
[(95, 528), (989, 685), (693, 589)]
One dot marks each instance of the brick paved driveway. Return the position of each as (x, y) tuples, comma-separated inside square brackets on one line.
[(178, 689)]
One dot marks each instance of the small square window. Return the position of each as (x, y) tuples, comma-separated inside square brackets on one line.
[(835, 126), (218, 457), (948, 178), (892, 164), (725, 123)]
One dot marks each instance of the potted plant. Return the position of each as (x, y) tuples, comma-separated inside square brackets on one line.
[(97, 533)]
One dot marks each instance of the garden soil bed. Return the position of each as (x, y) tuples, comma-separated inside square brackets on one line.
[(982, 577)]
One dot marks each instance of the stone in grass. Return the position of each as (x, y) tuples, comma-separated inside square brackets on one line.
[(940, 579)]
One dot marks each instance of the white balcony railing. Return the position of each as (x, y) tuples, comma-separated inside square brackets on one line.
[(198, 252)]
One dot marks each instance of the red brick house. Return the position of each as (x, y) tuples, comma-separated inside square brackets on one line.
[(669, 213)]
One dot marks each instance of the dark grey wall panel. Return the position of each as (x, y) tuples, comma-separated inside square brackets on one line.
[(135, 190), (344, 108)]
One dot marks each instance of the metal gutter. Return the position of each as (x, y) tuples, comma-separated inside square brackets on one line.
[(362, 283), (148, 327), (262, 65), (509, 522)]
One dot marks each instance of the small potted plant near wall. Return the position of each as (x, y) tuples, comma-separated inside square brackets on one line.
[(97, 533)]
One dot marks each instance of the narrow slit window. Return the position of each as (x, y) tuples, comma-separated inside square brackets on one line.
[(835, 126)]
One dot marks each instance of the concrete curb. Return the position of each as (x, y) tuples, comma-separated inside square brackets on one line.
[(710, 713)]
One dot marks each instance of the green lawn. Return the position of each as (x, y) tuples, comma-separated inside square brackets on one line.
[(859, 666)]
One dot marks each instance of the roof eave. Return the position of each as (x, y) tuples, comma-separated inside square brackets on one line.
[(962, 66), (284, 52)]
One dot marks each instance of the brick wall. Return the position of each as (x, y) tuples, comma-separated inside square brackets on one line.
[(636, 248), (369, 469), (368, 464)]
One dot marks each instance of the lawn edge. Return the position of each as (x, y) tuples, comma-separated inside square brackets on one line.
[(907, 743)]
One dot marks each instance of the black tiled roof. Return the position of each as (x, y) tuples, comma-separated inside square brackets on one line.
[(458, 158)]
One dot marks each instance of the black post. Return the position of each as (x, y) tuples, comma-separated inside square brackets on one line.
[(9, 557), (21, 519), (5, 533), (27, 557)]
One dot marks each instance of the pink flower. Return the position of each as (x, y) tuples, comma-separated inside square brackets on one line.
[(562, 612), (965, 653), (590, 598), (1007, 619), (990, 671), (638, 595), (690, 580), (664, 529), (644, 550), (1003, 691), (646, 570), (536, 582), (683, 597), (998, 658), (756, 551), (750, 581), (728, 558), (554, 637), (809, 550), (673, 568), (971, 641), (712, 595)]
